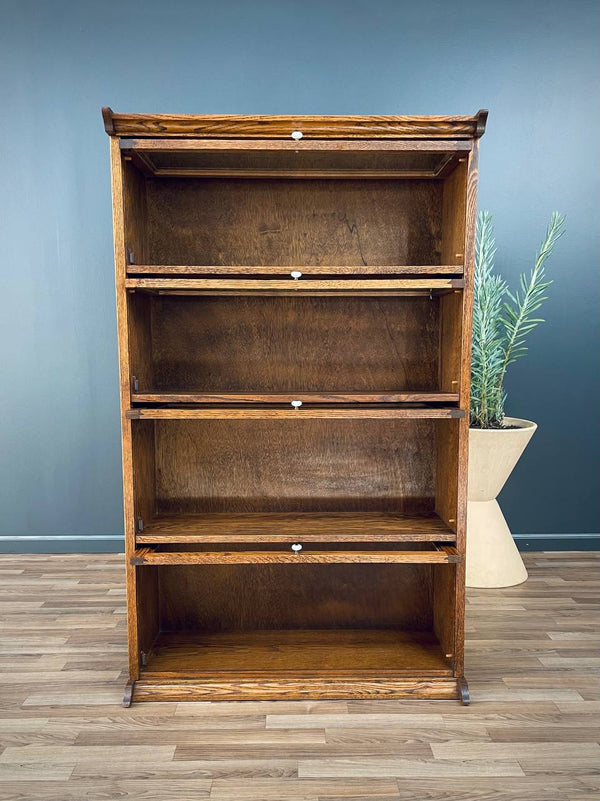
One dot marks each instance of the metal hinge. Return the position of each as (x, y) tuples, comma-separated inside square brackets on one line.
[(140, 524), (135, 383), (130, 257), (144, 658)]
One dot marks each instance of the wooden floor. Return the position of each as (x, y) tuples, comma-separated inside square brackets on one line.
[(530, 732)]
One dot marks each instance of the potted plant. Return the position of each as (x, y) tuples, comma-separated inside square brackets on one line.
[(502, 321)]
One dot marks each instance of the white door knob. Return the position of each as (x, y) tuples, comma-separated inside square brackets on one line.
[(297, 135), (296, 274), (296, 404), (296, 547)]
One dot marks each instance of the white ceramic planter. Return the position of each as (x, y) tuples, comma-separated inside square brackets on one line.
[(493, 559)]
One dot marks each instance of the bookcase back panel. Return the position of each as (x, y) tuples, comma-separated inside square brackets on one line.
[(246, 597), (286, 465), (293, 222), (286, 344)]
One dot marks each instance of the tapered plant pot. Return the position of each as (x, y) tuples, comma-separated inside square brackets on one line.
[(493, 559)]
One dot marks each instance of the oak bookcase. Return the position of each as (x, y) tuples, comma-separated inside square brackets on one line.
[(294, 315)]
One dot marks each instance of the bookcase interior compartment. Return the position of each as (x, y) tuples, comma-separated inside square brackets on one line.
[(295, 620), (184, 345), (286, 222), (253, 469)]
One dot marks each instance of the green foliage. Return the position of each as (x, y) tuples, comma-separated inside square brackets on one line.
[(502, 320), (487, 361)]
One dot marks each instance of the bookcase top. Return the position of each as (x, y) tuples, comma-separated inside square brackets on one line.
[(233, 126)]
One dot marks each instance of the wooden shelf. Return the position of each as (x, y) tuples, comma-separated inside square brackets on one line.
[(339, 412), (288, 397), (242, 286), (284, 271), (427, 553), (281, 527), (333, 652)]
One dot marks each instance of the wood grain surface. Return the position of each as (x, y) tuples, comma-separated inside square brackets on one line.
[(158, 270), (244, 286), (274, 345), (159, 556), (147, 145), (286, 528), (284, 597), (530, 734), (283, 397), (296, 651), (223, 126), (333, 412), (279, 221), (264, 464), (126, 201)]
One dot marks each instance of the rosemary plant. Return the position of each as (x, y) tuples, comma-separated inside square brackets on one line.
[(502, 320)]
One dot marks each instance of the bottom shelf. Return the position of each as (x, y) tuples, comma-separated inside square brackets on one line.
[(297, 653), (297, 664)]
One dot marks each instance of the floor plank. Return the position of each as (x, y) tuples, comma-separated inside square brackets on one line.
[(530, 734)]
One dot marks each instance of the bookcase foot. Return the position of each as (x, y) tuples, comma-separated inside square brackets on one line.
[(128, 695), (463, 689)]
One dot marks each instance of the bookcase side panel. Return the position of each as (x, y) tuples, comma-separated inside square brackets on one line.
[(450, 342), (141, 361), (454, 202), (466, 340), (120, 199), (447, 438), (463, 450), (444, 612), (135, 213)]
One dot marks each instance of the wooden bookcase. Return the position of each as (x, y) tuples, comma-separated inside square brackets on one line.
[(294, 312)]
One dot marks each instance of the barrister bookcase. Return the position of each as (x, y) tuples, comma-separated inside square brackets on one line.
[(294, 319)]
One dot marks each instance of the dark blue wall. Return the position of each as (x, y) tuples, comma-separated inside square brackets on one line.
[(533, 64)]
